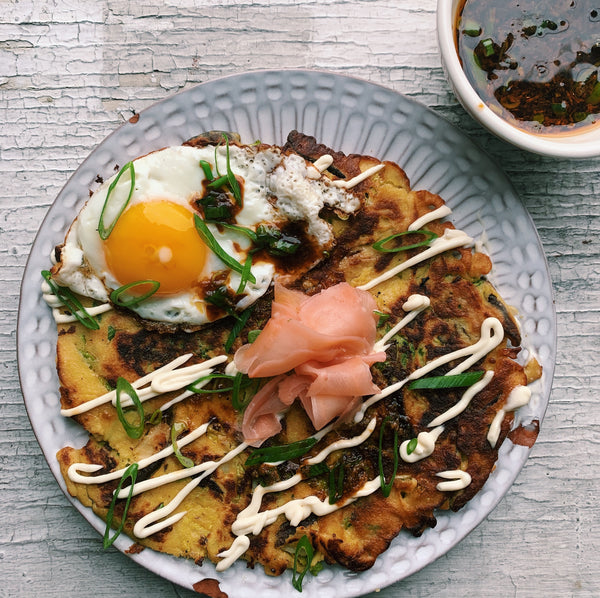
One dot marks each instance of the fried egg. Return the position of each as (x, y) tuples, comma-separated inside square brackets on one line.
[(156, 238)]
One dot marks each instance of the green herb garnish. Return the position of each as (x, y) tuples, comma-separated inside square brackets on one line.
[(176, 428), (214, 246), (124, 387), (429, 236), (383, 318), (233, 184), (198, 388), (111, 332), (71, 302), (488, 47), (282, 452), (336, 483), (131, 473), (454, 381), (304, 552), (104, 231), (253, 335), (237, 327), (132, 300), (242, 382), (386, 487), (207, 170), (411, 446)]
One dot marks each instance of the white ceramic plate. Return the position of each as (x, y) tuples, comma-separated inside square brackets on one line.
[(353, 116)]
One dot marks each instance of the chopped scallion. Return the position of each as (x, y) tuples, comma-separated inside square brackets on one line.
[(411, 446), (124, 387), (71, 302), (214, 246), (237, 327), (380, 245), (280, 453), (103, 230), (132, 300), (304, 552), (336, 483), (176, 428), (386, 487), (440, 382), (131, 474), (207, 170), (233, 184)]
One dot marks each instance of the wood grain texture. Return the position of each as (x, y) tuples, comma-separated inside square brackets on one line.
[(71, 72)]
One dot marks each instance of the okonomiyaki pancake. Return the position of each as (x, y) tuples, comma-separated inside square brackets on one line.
[(385, 461)]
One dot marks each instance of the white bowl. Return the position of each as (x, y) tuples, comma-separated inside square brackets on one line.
[(583, 143)]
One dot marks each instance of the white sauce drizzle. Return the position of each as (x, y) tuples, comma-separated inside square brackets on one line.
[(74, 470), (358, 178), (458, 480), (492, 334), (518, 397), (459, 407), (323, 163), (425, 446), (56, 305), (164, 376), (436, 214), (415, 304), (451, 239)]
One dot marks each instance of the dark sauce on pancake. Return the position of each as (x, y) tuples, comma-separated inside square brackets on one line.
[(534, 62)]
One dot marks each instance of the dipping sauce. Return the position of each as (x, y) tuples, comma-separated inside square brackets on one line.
[(534, 62)]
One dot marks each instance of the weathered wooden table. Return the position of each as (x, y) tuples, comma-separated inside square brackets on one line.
[(72, 71)]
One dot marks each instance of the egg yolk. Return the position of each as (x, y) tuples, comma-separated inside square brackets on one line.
[(156, 240)]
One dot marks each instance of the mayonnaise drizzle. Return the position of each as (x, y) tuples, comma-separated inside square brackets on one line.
[(160, 381), (56, 305), (451, 239), (75, 468), (518, 397), (148, 525), (358, 178), (425, 446), (492, 334), (459, 407), (458, 480), (415, 304), (436, 214)]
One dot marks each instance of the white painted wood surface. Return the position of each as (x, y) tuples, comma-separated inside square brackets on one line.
[(71, 71)]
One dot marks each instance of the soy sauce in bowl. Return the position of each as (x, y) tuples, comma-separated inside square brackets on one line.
[(536, 63)]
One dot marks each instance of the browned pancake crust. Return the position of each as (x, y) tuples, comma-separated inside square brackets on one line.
[(461, 298)]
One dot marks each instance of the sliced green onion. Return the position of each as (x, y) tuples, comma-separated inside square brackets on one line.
[(241, 382), (594, 97), (304, 551), (253, 335), (131, 473), (218, 183), (383, 317), (155, 418), (386, 487), (246, 271), (103, 231), (233, 184), (115, 296), (336, 483), (124, 387), (111, 332), (71, 302), (206, 169), (455, 381), (429, 236), (197, 387), (214, 246), (240, 229), (488, 47), (318, 469), (282, 452), (237, 327), (176, 428), (411, 446), (275, 241)]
